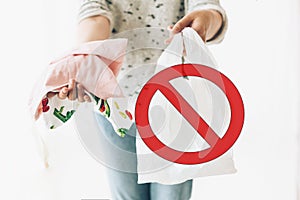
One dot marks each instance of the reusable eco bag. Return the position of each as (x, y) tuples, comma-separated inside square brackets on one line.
[(94, 65), (172, 129)]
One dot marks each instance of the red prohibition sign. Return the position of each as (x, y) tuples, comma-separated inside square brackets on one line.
[(218, 146)]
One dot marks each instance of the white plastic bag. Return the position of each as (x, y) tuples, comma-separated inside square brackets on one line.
[(172, 129)]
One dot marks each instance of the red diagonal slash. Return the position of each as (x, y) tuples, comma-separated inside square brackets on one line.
[(187, 112), (218, 146)]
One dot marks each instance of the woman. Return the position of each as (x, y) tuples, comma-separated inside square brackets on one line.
[(102, 19)]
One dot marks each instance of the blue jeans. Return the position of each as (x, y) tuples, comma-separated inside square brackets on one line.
[(121, 162)]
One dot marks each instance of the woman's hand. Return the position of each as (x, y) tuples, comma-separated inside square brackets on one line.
[(90, 29), (73, 91), (206, 22)]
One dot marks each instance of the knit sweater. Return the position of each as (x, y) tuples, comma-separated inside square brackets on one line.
[(144, 24)]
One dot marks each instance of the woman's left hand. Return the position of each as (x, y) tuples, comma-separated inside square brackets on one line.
[(206, 22)]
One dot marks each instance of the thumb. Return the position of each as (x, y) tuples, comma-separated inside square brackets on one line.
[(181, 24)]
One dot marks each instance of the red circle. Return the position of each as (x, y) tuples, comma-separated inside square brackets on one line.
[(218, 145)]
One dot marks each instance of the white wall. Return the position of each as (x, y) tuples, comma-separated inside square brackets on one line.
[(259, 54)]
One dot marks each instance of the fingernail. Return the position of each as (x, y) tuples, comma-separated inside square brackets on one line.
[(87, 98)]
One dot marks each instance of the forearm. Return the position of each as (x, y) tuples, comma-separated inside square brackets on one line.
[(93, 28)]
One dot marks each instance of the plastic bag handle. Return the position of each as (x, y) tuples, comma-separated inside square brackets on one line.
[(195, 49)]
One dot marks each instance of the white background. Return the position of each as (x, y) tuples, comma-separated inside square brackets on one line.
[(260, 54)]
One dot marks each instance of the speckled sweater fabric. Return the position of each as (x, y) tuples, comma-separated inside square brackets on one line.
[(144, 23)]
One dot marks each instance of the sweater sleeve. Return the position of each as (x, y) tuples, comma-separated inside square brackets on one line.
[(90, 8), (192, 5)]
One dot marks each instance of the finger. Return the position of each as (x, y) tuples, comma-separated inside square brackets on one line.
[(51, 94), (168, 41), (182, 23), (63, 93), (171, 35), (72, 90), (200, 28), (87, 98), (80, 93)]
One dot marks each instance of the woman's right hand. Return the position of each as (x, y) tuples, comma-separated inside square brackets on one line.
[(90, 29), (72, 91)]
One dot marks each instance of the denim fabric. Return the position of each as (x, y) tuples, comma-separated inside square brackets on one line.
[(121, 167)]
